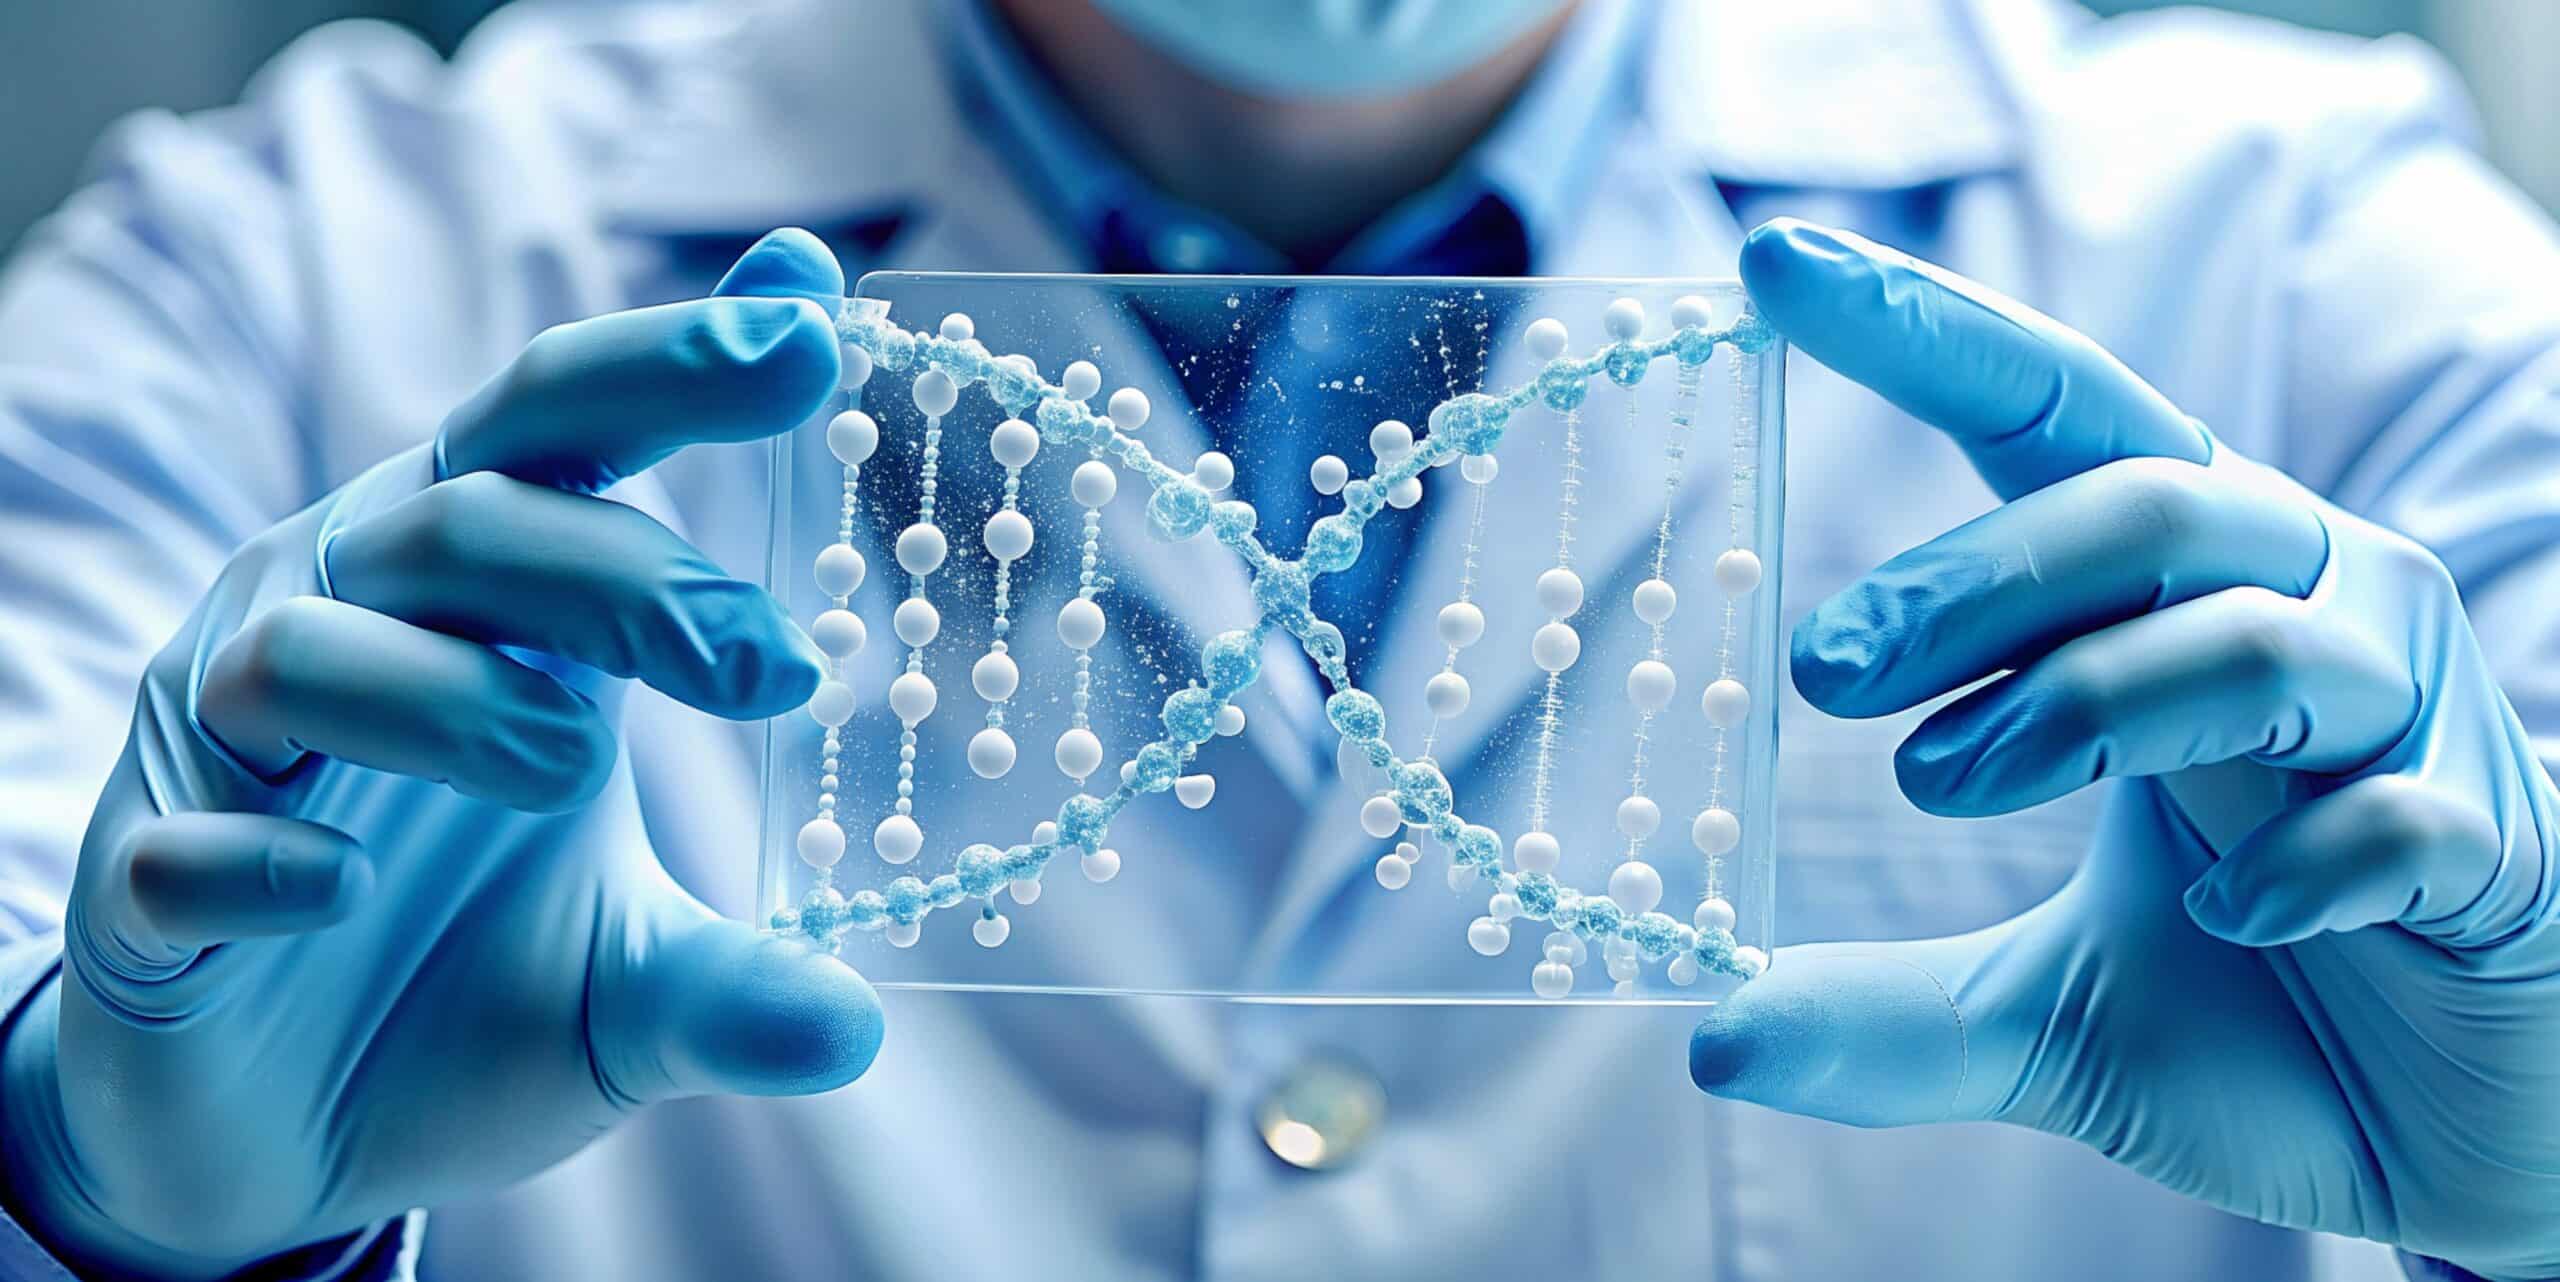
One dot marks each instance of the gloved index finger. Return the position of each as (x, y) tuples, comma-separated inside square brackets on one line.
[(588, 403), (2029, 399)]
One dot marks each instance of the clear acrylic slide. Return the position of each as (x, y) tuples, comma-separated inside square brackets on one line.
[(1285, 639)]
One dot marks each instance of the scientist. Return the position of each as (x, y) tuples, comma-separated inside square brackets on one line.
[(330, 908)]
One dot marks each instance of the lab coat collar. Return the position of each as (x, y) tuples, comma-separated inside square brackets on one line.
[(820, 111)]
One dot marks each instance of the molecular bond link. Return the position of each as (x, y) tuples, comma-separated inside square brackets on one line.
[(1466, 429)]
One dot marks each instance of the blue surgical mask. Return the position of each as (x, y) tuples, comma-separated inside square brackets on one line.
[(1328, 48)]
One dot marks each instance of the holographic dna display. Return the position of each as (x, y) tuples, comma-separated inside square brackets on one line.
[(1685, 720)]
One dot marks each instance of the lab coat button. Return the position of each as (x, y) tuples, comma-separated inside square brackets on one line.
[(1322, 1114)]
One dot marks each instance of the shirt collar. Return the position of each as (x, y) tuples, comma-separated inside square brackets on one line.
[(741, 116)]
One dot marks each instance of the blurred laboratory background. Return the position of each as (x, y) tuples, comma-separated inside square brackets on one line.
[(69, 67)]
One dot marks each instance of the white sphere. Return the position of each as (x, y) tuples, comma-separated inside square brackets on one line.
[(1650, 685), (1715, 831), (921, 548), (1229, 722), (832, 704), (1094, 483), (1566, 947), (958, 328), (1738, 571), (1487, 936), (1128, 409), (1545, 338), (857, 366), (1635, 886), (839, 633), (1559, 592), (840, 569), (1101, 866), (1461, 624), (1655, 599), (1683, 969), (1503, 906), (991, 929), (1726, 703), (1390, 440), (903, 934), (1551, 980), (1460, 877), (911, 697), (1329, 474), (1025, 890), (1405, 493), (1750, 961), (1129, 770), (1079, 754), (1394, 871), (1555, 647), (1080, 381), (1689, 311), (1194, 791), (1379, 816), (1080, 624), (1624, 970), (1213, 471), (935, 393), (1712, 914), (1624, 319), (916, 622), (1008, 535), (1014, 443), (1480, 469), (853, 437), (1639, 816), (1536, 852), (1044, 832), (821, 843), (897, 839), (1446, 695), (991, 753), (995, 676)]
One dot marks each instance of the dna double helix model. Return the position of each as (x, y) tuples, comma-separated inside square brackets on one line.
[(1462, 435)]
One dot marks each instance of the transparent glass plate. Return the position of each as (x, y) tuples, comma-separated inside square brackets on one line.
[(1285, 639)]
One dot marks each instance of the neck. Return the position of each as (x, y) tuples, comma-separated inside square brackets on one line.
[(1303, 175)]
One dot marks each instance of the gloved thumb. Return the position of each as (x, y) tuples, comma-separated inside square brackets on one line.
[(1868, 1034), (2387, 848), (708, 1006), (1893, 1035)]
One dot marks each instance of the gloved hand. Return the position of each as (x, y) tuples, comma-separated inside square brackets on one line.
[(365, 918), (2309, 970)]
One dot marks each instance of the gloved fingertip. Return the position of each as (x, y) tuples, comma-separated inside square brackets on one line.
[(735, 1011), (1863, 1039), (2219, 910), (1833, 662), (810, 1024), (787, 347), (1936, 770), (789, 262), (1794, 270)]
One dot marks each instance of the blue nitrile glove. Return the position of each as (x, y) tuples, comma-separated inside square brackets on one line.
[(2307, 971), (366, 919)]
